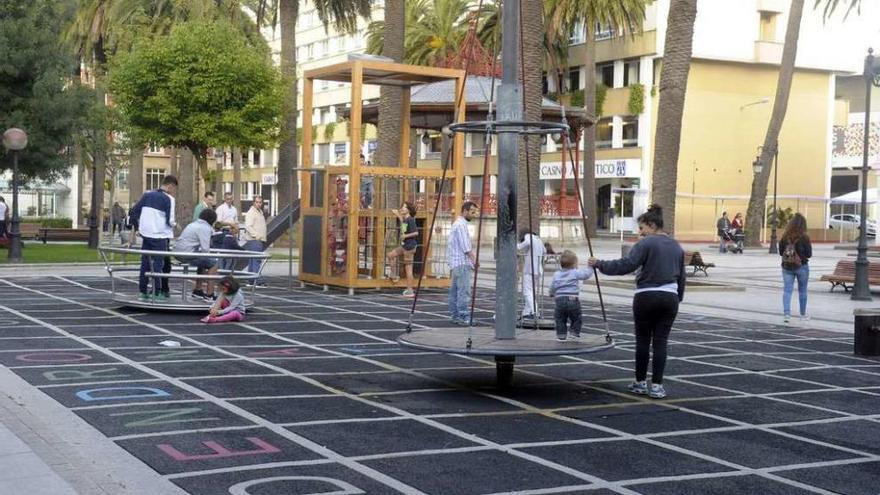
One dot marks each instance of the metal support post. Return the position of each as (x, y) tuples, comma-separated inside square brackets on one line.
[(509, 108)]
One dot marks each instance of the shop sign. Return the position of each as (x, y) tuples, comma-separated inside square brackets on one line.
[(605, 169), (268, 180)]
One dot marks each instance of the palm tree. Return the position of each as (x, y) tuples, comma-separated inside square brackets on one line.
[(758, 196), (388, 151), (528, 171), (673, 85)]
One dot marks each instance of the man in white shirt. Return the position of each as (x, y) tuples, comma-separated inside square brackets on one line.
[(462, 259), (153, 217), (226, 212), (255, 235), (533, 251)]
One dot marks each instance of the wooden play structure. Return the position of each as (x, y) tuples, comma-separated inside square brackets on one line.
[(347, 223)]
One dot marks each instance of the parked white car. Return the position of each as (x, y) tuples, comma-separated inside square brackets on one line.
[(848, 221)]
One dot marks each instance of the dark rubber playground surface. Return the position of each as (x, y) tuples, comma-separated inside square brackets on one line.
[(312, 395)]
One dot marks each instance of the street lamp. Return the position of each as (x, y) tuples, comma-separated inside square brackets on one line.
[(861, 290), (14, 140), (757, 167)]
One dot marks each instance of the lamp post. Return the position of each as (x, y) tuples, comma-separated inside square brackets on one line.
[(774, 247), (93, 211), (861, 290), (14, 140), (758, 168)]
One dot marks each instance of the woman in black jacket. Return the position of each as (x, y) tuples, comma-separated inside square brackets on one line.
[(659, 289), (796, 250)]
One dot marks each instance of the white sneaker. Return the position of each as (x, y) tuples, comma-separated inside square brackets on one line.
[(657, 391), (638, 388), (805, 318), (786, 319), (574, 337), (560, 339)]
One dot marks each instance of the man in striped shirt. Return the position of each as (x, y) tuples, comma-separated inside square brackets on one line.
[(462, 258)]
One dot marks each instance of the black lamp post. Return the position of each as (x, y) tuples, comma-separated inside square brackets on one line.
[(14, 140), (757, 167), (94, 239), (861, 290)]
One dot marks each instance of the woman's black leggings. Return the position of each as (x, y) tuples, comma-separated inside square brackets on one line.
[(654, 313)]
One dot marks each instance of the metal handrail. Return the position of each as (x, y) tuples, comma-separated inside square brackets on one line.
[(227, 253)]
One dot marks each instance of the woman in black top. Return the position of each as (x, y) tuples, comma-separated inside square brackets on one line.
[(795, 264), (659, 289)]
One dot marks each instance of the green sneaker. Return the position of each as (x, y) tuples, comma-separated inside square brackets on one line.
[(144, 297), (161, 297)]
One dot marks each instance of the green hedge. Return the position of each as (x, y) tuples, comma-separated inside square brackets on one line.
[(58, 223)]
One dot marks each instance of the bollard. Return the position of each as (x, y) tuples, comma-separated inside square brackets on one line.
[(867, 332), (625, 249)]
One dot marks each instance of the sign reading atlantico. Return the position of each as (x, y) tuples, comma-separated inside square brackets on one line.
[(605, 169)]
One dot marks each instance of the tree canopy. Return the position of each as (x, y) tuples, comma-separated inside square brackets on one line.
[(204, 85), (38, 91)]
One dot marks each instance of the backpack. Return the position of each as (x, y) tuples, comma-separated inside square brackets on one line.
[(791, 261)]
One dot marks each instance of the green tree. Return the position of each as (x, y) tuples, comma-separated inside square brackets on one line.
[(38, 91), (202, 86)]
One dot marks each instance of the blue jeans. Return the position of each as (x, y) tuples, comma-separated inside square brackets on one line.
[(802, 275), (460, 293), (254, 263), (568, 311), (155, 264)]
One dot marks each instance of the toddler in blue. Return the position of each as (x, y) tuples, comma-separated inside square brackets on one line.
[(565, 288)]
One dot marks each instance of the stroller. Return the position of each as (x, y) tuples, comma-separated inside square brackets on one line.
[(735, 236)]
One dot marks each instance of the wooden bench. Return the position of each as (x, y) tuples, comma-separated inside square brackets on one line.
[(27, 230), (59, 234), (845, 273), (695, 259)]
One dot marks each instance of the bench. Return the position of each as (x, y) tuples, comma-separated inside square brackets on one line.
[(27, 230), (695, 259), (845, 273), (61, 234)]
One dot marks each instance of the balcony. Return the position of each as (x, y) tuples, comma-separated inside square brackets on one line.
[(554, 205), (768, 52)]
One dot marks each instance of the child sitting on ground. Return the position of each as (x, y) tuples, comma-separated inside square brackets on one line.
[(229, 306), (565, 288)]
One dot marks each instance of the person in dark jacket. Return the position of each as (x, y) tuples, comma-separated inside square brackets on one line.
[(795, 235), (659, 289), (722, 226)]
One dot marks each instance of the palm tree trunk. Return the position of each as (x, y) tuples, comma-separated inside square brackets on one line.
[(532, 21), (286, 188), (135, 174), (589, 135), (673, 86), (236, 178), (388, 151), (758, 198)]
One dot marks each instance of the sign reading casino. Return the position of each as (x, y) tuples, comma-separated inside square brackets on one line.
[(605, 169)]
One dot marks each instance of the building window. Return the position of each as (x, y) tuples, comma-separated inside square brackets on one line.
[(577, 34), (630, 132), (340, 112), (631, 72), (322, 154), (310, 51), (122, 179), (574, 79), (605, 74), (324, 85), (325, 115), (768, 26), (603, 133), (478, 144), (545, 87), (603, 32), (227, 187), (154, 178), (155, 149), (256, 159), (435, 146)]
